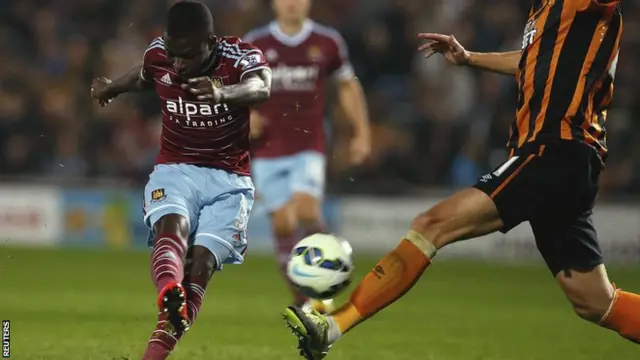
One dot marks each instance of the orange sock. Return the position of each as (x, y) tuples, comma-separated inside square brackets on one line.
[(624, 316), (394, 275)]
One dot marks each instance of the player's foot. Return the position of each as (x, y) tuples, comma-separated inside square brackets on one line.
[(311, 329), (324, 307), (172, 302)]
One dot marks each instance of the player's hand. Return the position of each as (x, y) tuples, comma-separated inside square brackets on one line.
[(447, 45), (359, 149), (256, 125), (204, 89), (100, 91)]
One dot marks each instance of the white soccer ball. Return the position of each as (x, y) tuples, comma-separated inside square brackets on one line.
[(321, 266)]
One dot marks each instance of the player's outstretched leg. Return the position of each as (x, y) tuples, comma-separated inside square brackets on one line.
[(468, 214), (309, 214), (569, 246), (623, 316), (199, 268), (285, 225), (595, 299)]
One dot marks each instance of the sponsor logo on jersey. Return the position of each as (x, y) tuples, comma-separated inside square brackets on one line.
[(166, 79), (295, 78), (192, 110)]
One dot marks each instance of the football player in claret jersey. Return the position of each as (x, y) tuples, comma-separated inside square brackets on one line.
[(199, 195), (288, 131)]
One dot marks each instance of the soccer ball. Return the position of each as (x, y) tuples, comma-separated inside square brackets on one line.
[(321, 266)]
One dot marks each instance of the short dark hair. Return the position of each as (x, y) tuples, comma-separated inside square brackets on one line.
[(189, 18)]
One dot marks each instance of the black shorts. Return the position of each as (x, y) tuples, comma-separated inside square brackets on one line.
[(554, 187)]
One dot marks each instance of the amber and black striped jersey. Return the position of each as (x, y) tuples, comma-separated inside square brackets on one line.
[(566, 72)]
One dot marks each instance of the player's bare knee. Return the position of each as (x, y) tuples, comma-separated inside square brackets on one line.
[(308, 208), (201, 263), (429, 225), (284, 221), (173, 224), (590, 296)]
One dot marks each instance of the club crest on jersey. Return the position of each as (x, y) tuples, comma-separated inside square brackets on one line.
[(271, 55), (314, 53), (158, 195)]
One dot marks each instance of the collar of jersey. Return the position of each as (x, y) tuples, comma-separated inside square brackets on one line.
[(291, 40)]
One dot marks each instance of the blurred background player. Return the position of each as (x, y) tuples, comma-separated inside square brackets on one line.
[(565, 74), (199, 196), (288, 131)]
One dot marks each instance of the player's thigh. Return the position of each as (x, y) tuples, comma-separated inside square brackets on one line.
[(222, 224), (512, 188), (170, 190), (567, 243), (467, 214), (308, 177), (500, 200), (571, 250), (272, 179), (565, 196)]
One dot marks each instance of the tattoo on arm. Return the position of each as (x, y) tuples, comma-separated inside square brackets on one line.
[(254, 88)]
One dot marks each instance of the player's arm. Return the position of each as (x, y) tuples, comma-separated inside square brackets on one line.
[(352, 99), (137, 79), (254, 88), (132, 81), (503, 63), (353, 102), (104, 90), (447, 45)]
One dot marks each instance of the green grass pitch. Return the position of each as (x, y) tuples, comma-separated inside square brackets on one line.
[(83, 305)]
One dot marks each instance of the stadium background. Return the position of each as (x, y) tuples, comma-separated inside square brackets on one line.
[(71, 177)]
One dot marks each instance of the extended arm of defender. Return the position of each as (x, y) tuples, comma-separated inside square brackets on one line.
[(503, 63), (353, 102), (130, 82), (254, 88)]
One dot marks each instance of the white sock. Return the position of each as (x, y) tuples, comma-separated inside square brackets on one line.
[(333, 333)]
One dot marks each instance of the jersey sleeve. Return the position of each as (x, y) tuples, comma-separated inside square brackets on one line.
[(340, 65), (251, 59), (146, 72)]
